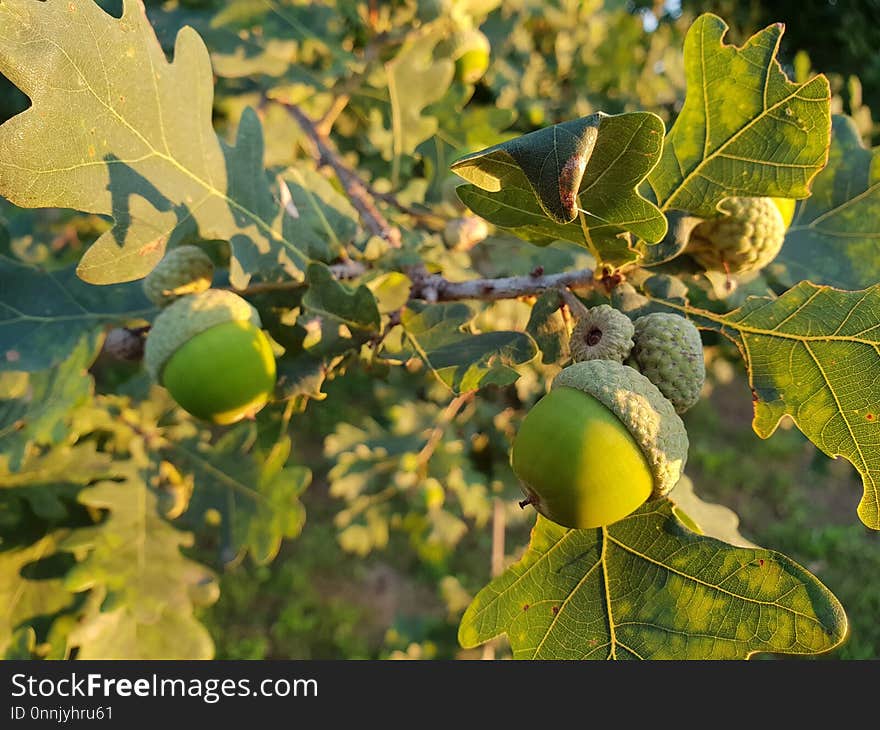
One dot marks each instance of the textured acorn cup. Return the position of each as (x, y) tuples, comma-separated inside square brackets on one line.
[(601, 333), (208, 350), (602, 442), (748, 238), (669, 352), (183, 270)]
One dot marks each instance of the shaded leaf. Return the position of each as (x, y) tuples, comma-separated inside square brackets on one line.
[(744, 129), (835, 236), (589, 168), (45, 480), (329, 298), (648, 588), (324, 222), (39, 332), (105, 135), (462, 361), (34, 407), (256, 495)]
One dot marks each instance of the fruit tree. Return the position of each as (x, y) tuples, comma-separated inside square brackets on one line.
[(463, 268)]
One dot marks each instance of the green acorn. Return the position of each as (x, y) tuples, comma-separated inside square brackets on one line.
[(470, 49), (183, 270), (601, 333), (746, 239), (602, 442), (668, 350), (208, 350)]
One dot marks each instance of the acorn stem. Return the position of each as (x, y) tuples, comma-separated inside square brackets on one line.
[(526, 501)]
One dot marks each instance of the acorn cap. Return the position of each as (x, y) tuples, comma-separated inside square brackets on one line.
[(183, 270), (644, 410), (186, 317)]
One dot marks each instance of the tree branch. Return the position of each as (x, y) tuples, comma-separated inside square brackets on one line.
[(357, 192), (435, 288)]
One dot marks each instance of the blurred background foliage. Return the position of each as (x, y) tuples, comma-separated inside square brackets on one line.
[(406, 485)]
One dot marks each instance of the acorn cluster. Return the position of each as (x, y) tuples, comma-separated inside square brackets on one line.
[(608, 436)]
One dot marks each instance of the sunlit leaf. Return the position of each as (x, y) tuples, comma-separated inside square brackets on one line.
[(575, 181), (744, 129), (810, 354), (105, 134), (646, 587)]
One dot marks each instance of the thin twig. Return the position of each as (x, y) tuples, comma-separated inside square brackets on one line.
[(449, 413), (435, 288), (354, 187), (348, 269)]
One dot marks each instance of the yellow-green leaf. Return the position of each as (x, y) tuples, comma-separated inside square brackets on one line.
[(744, 129), (647, 587)]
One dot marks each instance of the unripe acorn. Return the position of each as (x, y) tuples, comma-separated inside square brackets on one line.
[(208, 350), (746, 239), (601, 333), (470, 50), (602, 442), (668, 351), (183, 270)]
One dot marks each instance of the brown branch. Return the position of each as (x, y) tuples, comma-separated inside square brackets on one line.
[(357, 192), (435, 288)]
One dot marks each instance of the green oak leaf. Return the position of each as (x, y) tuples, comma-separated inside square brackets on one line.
[(415, 80), (34, 407), (116, 129), (810, 355), (46, 480), (132, 560), (39, 331), (833, 237), (257, 495), (647, 587), (437, 333), (744, 129), (21, 598), (328, 298), (576, 181), (326, 221)]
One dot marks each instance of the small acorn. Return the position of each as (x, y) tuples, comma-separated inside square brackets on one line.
[(470, 49), (183, 270), (668, 350), (601, 333), (747, 238), (602, 442), (208, 350)]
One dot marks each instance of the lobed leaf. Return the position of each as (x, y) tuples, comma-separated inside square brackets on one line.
[(576, 181), (40, 331), (810, 355), (105, 134), (744, 129), (646, 587), (833, 238), (462, 361)]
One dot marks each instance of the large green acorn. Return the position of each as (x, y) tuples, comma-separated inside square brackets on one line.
[(602, 442), (208, 350)]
